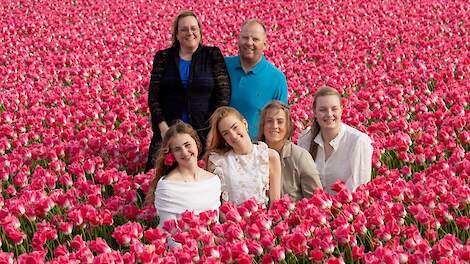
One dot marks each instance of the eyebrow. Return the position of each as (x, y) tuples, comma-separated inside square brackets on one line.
[(221, 132), (181, 145)]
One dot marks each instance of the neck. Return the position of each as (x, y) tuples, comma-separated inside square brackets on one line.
[(329, 134), (186, 53), (248, 64), (245, 149), (188, 172), (277, 146)]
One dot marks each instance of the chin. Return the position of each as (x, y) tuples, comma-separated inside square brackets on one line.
[(328, 126)]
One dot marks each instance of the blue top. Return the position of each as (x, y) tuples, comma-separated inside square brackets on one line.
[(185, 67), (251, 91)]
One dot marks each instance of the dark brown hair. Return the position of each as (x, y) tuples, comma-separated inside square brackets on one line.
[(315, 128), (179, 127), (174, 32), (276, 105)]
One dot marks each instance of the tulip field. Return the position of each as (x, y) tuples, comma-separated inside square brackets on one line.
[(75, 131)]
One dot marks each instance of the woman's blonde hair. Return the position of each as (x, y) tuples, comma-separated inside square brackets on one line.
[(179, 127), (218, 143), (174, 32), (315, 128), (276, 105)]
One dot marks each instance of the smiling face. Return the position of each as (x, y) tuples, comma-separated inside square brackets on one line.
[(275, 127), (234, 131), (328, 111), (252, 42), (184, 148), (189, 33)]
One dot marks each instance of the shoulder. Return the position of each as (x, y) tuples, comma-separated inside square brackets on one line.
[(171, 176), (298, 152), (164, 52), (356, 135), (275, 70), (210, 50), (232, 60), (305, 134), (206, 175), (358, 140), (273, 155), (217, 159), (161, 57), (305, 138)]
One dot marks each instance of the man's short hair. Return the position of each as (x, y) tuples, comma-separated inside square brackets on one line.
[(254, 21)]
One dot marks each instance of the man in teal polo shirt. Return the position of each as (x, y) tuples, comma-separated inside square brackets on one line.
[(255, 81)]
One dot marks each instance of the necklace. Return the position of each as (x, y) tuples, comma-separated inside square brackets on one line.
[(187, 178)]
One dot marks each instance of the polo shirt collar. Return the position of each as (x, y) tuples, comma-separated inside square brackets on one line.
[(335, 142), (255, 70)]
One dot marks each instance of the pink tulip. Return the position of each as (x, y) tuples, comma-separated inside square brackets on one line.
[(99, 246)]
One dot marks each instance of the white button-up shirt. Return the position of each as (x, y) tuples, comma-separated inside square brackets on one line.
[(350, 161)]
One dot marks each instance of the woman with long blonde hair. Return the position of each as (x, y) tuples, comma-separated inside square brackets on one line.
[(246, 169)]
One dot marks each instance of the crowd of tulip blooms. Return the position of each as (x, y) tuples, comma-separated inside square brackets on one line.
[(74, 132)]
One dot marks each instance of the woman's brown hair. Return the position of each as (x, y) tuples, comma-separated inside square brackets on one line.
[(179, 127), (174, 32), (276, 105), (315, 128)]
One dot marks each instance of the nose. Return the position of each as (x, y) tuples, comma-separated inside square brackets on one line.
[(185, 151), (275, 124), (231, 134)]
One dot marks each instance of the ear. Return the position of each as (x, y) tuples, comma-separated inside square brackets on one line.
[(245, 123)]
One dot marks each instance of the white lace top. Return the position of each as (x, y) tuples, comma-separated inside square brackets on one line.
[(243, 176)]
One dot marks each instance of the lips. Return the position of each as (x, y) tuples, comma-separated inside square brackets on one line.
[(187, 157)]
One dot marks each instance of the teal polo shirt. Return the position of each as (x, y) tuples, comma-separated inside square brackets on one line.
[(251, 91)]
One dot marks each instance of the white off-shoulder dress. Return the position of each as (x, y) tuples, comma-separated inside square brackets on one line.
[(173, 198), (243, 176)]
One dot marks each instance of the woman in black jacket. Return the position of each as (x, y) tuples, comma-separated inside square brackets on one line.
[(188, 82)]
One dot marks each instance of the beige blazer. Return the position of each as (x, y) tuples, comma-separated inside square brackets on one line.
[(299, 173)]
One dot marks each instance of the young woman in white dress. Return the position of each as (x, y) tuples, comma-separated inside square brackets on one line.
[(246, 170), (340, 151), (180, 184)]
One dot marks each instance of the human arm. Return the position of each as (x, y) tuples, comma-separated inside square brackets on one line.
[(222, 89), (361, 163), (274, 176), (156, 112), (210, 167), (309, 176), (163, 126)]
